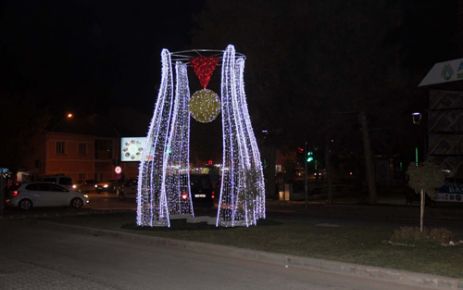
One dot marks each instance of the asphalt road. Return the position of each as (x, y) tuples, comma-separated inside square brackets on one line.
[(38, 256), (450, 217)]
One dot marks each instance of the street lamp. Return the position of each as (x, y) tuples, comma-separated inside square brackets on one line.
[(69, 116), (416, 118)]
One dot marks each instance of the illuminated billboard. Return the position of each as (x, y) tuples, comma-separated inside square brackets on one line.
[(132, 148)]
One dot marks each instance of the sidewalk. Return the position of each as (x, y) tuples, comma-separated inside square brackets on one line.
[(384, 274), (247, 243)]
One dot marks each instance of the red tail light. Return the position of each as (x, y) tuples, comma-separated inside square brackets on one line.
[(14, 193), (213, 195)]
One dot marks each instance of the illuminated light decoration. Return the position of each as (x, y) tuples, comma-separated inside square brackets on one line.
[(257, 182), (242, 194), (204, 106), (164, 185), (177, 180), (152, 207), (203, 67)]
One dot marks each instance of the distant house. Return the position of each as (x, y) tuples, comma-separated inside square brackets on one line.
[(85, 149)]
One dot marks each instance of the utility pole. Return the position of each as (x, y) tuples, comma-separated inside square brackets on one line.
[(370, 171), (306, 183)]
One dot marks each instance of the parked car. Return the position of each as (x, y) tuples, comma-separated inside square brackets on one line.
[(43, 194), (450, 192), (86, 185), (60, 179), (202, 191), (107, 186)]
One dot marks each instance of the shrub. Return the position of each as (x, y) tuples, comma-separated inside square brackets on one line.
[(412, 236)]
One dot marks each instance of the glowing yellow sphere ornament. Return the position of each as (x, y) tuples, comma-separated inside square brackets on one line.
[(204, 106)]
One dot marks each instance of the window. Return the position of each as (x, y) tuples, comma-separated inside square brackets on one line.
[(83, 149), (55, 187), (60, 147), (52, 187)]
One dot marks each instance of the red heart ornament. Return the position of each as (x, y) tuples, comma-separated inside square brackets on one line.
[(203, 67)]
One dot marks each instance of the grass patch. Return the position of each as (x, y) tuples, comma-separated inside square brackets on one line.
[(413, 236), (359, 244)]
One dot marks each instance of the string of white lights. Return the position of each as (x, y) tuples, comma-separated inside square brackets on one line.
[(240, 208), (242, 195), (251, 143), (225, 205), (164, 173), (177, 171), (151, 195)]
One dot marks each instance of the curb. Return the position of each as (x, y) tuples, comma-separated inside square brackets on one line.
[(64, 214), (377, 273)]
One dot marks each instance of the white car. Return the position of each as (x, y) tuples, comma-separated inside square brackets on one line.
[(43, 194)]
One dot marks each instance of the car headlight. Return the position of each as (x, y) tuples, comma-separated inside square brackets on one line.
[(86, 196), (96, 185), (74, 186), (105, 185)]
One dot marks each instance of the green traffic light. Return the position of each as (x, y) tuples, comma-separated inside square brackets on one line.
[(310, 157)]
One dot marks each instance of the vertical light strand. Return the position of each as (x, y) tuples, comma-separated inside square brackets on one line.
[(177, 169), (224, 196), (151, 195), (247, 192), (229, 148), (250, 138), (242, 199)]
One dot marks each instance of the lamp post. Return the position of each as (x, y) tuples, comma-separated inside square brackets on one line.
[(416, 119)]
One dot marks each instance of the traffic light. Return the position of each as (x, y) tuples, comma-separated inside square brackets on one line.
[(309, 156), (300, 155)]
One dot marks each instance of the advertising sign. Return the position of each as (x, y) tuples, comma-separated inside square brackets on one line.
[(132, 148), (443, 72)]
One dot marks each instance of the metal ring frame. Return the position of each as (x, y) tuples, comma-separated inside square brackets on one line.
[(186, 55)]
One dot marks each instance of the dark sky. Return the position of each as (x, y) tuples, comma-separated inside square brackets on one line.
[(93, 56), (89, 55)]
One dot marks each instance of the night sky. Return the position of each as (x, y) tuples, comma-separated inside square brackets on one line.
[(88, 55), (306, 60)]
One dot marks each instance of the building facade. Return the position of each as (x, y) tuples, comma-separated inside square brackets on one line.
[(81, 157)]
